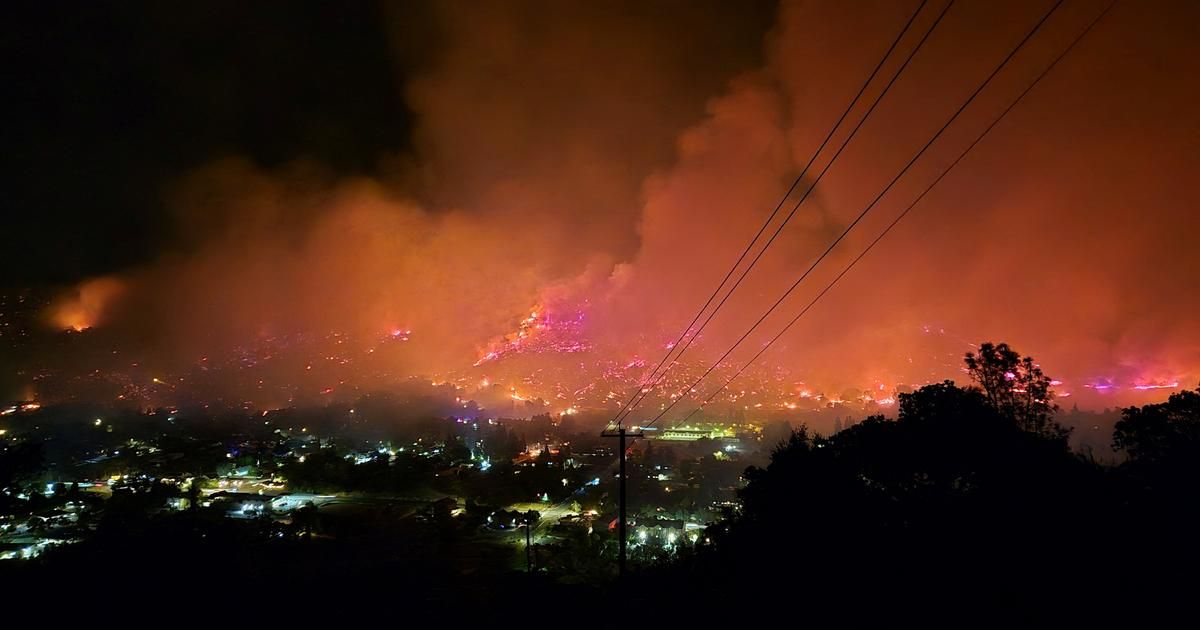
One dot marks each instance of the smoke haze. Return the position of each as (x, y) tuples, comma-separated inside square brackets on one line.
[(605, 164)]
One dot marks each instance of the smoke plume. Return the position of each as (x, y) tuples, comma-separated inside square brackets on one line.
[(608, 163)]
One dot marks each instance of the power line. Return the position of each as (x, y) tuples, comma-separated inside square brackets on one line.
[(640, 393), (643, 390), (866, 210), (811, 187), (905, 212)]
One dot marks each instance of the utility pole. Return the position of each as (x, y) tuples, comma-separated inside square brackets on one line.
[(621, 514), (621, 434), (528, 548)]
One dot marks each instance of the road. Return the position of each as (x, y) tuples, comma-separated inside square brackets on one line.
[(552, 513), (288, 502)]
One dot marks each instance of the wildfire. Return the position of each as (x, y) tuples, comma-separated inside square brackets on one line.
[(540, 332), (86, 306), (1146, 386)]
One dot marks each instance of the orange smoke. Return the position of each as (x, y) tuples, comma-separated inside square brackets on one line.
[(87, 304), (614, 199)]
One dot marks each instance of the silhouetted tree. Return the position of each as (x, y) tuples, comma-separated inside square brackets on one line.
[(193, 495), (954, 497), (456, 450), (1157, 433), (306, 519), (1016, 387), (583, 557)]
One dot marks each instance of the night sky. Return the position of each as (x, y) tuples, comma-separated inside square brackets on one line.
[(108, 101)]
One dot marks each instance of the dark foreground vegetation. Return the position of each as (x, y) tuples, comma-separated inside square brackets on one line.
[(968, 508)]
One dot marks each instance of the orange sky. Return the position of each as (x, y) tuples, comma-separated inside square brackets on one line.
[(577, 160)]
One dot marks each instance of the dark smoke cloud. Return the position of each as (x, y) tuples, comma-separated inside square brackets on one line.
[(603, 157)]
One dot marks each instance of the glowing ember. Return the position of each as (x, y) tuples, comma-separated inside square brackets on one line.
[(1174, 385)]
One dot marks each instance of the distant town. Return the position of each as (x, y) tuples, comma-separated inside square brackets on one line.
[(512, 485)]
